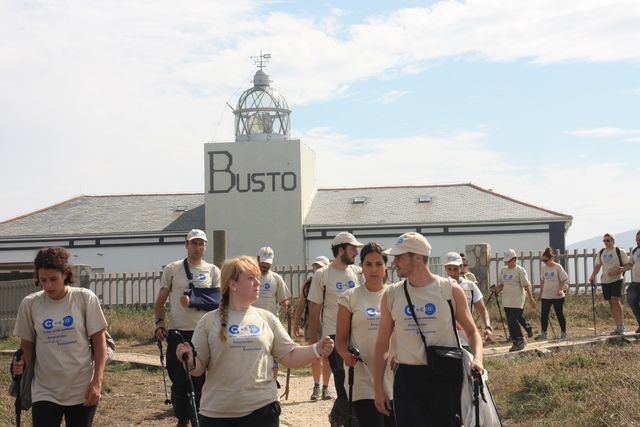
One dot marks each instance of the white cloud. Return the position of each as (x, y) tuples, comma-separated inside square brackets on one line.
[(629, 135), (390, 97)]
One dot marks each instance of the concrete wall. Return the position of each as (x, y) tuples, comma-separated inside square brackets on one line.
[(258, 194)]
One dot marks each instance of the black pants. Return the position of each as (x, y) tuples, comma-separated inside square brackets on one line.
[(419, 399), (49, 414), (337, 368), (558, 305), (633, 298), (267, 416), (179, 381), (368, 415), (514, 320)]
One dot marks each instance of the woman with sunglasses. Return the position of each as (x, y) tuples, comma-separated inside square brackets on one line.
[(554, 282), (236, 345)]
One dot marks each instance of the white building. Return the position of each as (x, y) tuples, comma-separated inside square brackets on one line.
[(261, 189)]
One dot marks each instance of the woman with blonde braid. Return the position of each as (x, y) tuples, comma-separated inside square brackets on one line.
[(236, 345)]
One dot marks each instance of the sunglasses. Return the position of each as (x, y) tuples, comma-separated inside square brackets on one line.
[(607, 241)]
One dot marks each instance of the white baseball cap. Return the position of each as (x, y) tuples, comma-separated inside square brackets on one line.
[(410, 242), (453, 258), (196, 234), (344, 237), (266, 254), (321, 261), (509, 254)]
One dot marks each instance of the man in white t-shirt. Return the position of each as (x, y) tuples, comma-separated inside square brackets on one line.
[(327, 285), (273, 290), (175, 285), (633, 290), (613, 261), (453, 266)]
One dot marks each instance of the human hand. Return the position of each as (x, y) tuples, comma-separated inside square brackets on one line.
[(488, 335), (161, 333), (17, 367), (383, 404), (184, 300), (325, 346), (93, 393), (296, 331)]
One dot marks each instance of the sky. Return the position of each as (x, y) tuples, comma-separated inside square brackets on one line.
[(539, 101)]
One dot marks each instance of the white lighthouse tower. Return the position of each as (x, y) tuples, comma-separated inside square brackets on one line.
[(260, 187)]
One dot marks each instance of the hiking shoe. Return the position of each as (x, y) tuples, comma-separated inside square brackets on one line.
[(542, 336), (563, 335), (183, 423), (518, 345), (325, 393), (619, 330), (529, 331), (315, 395)]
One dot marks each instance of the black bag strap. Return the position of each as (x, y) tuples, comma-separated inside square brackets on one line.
[(185, 263), (415, 319), (634, 250)]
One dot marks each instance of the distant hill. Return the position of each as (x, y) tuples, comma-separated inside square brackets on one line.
[(626, 239)]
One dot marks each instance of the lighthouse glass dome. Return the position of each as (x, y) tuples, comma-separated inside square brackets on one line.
[(262, 113)]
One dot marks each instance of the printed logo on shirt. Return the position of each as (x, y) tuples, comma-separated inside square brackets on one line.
[(200, 278), (248, 330), (430, 309), (607, 257), (65, 322), (267, 285), (351, 284), (507, 276), (339, 286), (549, 274), (47, 323), (372, 311)]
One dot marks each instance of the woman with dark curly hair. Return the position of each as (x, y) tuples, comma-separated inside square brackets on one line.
[(62, 329)]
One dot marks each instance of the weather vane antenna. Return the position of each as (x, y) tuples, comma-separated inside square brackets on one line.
[(262, 60)]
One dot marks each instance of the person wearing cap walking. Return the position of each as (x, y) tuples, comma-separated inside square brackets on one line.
[(453, 266), (614, 262), (301, 315), (273, 290), (174, 286), (327, 285), (514, 282), (421, 311)]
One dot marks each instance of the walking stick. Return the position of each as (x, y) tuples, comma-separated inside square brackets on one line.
[(593, 305), (477, 383), (17, 379), (500, 312), (191, 393), (286, 387), (355, 353), (167, 401)]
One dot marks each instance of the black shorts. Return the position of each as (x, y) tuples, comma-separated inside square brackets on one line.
[(613, 289)]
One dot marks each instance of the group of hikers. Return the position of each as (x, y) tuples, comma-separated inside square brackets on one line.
[(411, 348)]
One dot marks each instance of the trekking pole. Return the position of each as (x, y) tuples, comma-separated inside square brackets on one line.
[(17, 379), (191, 393), (286, 387), (500, 313), (167, 401), (593, 304), (477, 383), (355, 353), (555, 337)]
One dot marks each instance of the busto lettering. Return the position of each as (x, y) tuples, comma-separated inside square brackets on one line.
[(222, 179)]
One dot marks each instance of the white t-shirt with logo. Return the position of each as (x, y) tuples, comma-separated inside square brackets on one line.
[(273, 291), (364, 306), (635, 271), (474, 295), (552, 277), (175, 279), (327, 285), (433, 314), (61, 330), (611, 264), (239, 376), (514, 281)]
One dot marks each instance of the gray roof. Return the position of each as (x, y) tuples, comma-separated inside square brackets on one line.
[(450, 204), (122, 214), (166, 213)]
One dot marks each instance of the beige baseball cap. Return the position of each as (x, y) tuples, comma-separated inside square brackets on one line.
[(410, 242), (266, 254), (344, 237), (453, 258), (321, 261), (196, 234), (509, 254)]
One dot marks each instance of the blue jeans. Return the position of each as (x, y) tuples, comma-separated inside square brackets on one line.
[(633, 297)]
